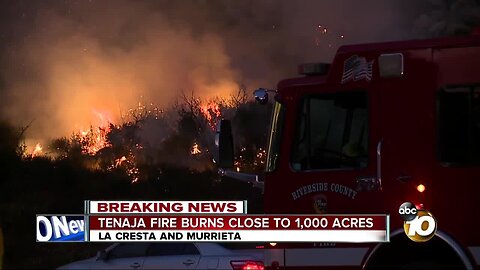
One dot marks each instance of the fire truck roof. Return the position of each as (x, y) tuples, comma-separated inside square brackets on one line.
[(384, 47), (299, 81), (465, 41)]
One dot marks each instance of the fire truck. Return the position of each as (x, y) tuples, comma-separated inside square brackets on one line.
[(385, 123)]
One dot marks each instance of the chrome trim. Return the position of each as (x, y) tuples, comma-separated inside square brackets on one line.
[(367, 183), (244, 177), (379, 164), (443, 236), (456, 247)]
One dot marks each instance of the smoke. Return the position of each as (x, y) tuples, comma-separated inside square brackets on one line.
[(448, 18), (68, 64)]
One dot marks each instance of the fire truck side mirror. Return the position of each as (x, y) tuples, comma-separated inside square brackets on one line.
[(261, 95), (224, 143)]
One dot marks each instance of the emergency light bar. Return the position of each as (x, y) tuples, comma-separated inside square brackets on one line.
[(313, 69)]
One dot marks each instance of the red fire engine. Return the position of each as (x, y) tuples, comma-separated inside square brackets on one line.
[(385, 123)]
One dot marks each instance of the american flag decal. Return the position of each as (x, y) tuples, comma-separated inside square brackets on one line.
[(357, 68)]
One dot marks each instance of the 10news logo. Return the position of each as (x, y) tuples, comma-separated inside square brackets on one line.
[(60, 228), (419, 224)]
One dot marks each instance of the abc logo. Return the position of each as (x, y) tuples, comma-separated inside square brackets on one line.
[(419, 224), (407, 211)]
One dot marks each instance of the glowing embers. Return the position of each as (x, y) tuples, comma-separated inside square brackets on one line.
[(195, 149)]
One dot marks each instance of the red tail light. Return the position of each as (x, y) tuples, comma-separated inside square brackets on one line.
[(247, 265)]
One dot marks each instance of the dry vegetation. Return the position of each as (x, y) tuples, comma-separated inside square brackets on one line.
[(154, 154)]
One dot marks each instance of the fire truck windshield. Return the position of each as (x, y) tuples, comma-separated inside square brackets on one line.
[(332, 132), (275, 136)]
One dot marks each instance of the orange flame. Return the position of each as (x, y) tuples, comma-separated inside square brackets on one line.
[(95, 138), (195, 149), (119, 161), (37, 151), (211, 112)]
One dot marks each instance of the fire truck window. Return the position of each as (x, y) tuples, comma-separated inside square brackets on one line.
[(332, 132), (459, 125)]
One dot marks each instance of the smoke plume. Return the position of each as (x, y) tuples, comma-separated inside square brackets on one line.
[(68, 64)]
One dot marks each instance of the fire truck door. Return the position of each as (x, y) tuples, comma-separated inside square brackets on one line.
[(334, 153), (406, 126)]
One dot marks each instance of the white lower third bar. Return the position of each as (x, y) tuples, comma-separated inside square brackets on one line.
[(346, 236)]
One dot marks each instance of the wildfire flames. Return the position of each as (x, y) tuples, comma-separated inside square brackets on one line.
[(195, 149), (94, 139), (123, 153), (211, 112), (119, 161), (37, 150)]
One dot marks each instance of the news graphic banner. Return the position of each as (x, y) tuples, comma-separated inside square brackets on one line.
[(61, 228), (165, 207), (246, 228), (204, 221)]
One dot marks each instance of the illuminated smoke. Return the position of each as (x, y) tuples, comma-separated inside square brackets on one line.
[(63, 60)]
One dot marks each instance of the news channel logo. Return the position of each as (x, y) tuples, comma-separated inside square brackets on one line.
[(419, 224), (60, 228)]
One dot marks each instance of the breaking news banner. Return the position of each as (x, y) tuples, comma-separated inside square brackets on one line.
[(61, 228), (165, 207), (240, 228), (204, 221)]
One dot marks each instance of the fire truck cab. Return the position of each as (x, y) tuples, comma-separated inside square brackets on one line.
[(384, 124)]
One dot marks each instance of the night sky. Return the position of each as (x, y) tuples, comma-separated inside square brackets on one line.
[(63, 61)]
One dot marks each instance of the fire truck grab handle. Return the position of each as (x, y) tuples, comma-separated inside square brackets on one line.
[(372, 183), (379, 164)]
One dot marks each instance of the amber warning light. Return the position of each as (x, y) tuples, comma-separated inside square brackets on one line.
[(421, 188)]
